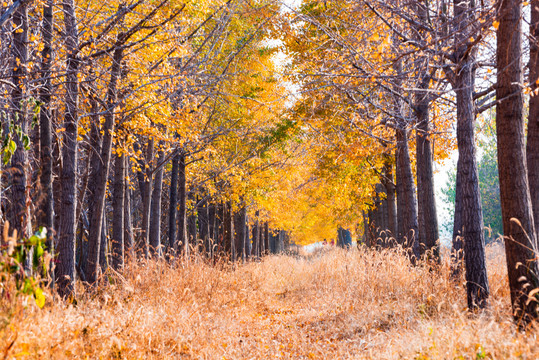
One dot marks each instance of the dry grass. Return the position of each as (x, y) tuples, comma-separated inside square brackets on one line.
[(334, 305)]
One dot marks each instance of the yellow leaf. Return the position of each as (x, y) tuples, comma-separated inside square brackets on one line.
[(496, 24)]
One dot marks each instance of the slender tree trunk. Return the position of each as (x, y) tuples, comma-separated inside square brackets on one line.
[(95, 148), (389, 186), (104, 247), (129, 241), (229, 243), (532, 145), (65, 267), (19, 210), (45, 132), (241, 232), (457, 243), (192, 231), (212, 216), (155, 223), (267, 238), (173, 203), (100, 181), (204, 225), (182, 220), (144, 242), (426, 197), (257, 248), (118, 204), (472, 214), (406, 198), (518, 223)]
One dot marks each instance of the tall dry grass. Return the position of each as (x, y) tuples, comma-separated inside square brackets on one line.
[(336, 304)]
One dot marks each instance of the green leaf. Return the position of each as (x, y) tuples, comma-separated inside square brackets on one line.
[(34, 240), (28, 287)]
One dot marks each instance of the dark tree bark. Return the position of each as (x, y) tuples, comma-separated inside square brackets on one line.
[(257, 248), (65, 267), (389, 185), (406, 198), (228, 227), (427, 216), (118, 204), (204, 225), (213, 227), (18, 212), (472, 214), (267, 239), (192, 230), (144, 242), (104, 247), (129, 241), (155, 223), (241, 232), (532, 145), (101, 178), (515, 195), (471, 217), (182, 216), (173, 204), (220, 227), (45, 130)]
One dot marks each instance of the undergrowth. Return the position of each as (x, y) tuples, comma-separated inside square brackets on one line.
[(336, 304)]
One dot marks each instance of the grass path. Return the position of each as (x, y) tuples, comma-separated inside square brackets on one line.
[(334, 305)]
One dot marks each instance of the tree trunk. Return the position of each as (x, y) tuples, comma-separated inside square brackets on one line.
[(229, 243), (389, 186), (518, 223), (457, 243), (192, 230), (129, 241), (257, 244), (267, 239), (118, 204), (212, 219), (182, 220), (406, 198), (104, 247), (532, 145), (426, 197), (65, 267), (204, 225), (101, 178), (19, 210), (241, 232), (45, 132), (155, 223), (144, 241), (173, 204), (472, 214)]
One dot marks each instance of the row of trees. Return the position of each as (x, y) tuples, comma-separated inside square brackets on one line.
[(379, 77), (141, 128)]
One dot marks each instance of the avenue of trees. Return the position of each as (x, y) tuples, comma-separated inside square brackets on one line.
[(231, 128)]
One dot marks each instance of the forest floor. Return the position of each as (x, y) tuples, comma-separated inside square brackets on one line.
[(334, 304)]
